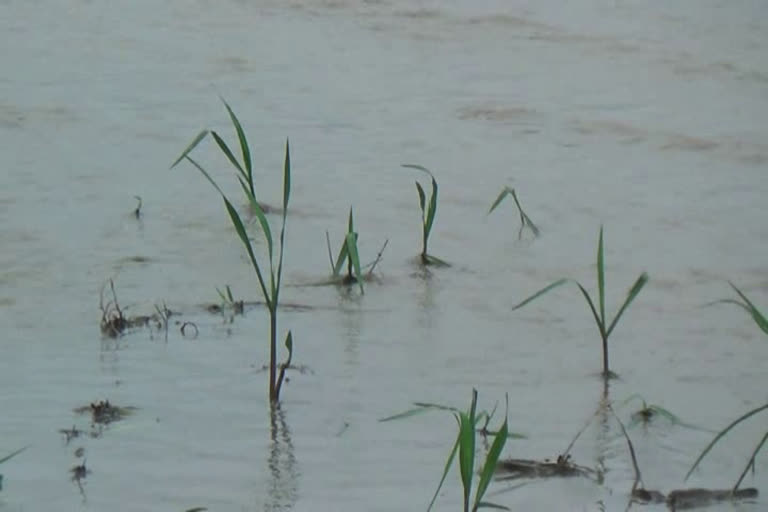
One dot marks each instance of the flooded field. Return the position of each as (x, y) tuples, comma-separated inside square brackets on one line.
[(647, 120)]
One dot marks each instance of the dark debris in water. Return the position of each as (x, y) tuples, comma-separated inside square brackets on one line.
[(684, 499), (512, 469), (103, 413)]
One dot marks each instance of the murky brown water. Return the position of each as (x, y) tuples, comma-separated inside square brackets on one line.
[(649, 120)]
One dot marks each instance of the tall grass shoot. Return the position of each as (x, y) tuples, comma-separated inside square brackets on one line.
[(270, 288), (598, 312)]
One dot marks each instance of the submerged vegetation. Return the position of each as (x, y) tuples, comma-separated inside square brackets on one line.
[(270, 289), (604, 327)]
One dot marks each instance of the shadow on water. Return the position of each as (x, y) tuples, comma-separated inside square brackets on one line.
[(283, 489)]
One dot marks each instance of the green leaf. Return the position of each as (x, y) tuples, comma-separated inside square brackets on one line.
[(541, 292), (448, 464), (200, 136), (601, 277), (720, 436), (432, 209), (240, 229), (467, 448), (504, 193), (231, 157), (13, 454), (343, 253), (598, 321), (351, 222), (243, 146), (757, 316), (641, 281), (289, 347), (286, 198), (485, 504), (351, 243), (491, 460), (422, 202)]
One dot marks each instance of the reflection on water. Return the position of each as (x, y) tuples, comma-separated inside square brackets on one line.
[(283, 489)]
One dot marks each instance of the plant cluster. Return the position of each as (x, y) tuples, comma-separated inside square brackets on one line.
[(348, 257)]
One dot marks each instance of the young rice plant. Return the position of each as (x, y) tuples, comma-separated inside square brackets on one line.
[(348, 254), (466, 447), (598, 312), (270, 289), (428, 212)]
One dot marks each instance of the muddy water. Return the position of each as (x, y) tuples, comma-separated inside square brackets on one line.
[(650, 121)]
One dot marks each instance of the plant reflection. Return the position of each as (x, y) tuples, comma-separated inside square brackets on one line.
[(283, 489)]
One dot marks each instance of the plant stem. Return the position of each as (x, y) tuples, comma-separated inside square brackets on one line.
[(606, 371), (273, 391)]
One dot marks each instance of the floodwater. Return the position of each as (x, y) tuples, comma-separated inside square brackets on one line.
[(647, 119)]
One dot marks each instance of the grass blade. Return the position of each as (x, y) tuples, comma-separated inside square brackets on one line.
[(485, 504), (286, 198), (243, 146), (467, 448), (540, 293), (601, 277), (200, 136), (240, 228), (231, 157), (422, 202), (205, 173), (448, 464), (591, 305), (432, 209), (630, 297), (491, 460), (760, 320), (504, 193), (351, 243), (343, 253), (13, 454), (720, 436)]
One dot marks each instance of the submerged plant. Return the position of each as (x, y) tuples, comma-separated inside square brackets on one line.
[(347, 254), (428, 212), (525, 221), (598, 312), (270, 289), (649, 412), (466, 447)]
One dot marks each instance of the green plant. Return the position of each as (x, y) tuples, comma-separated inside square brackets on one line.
[(8, 457), (722, 433), (244, 169), (524, 219), (762, 324), (428, 212), (603, 326), (748, 306), (349, 254), (270, 290), (466, 447)]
